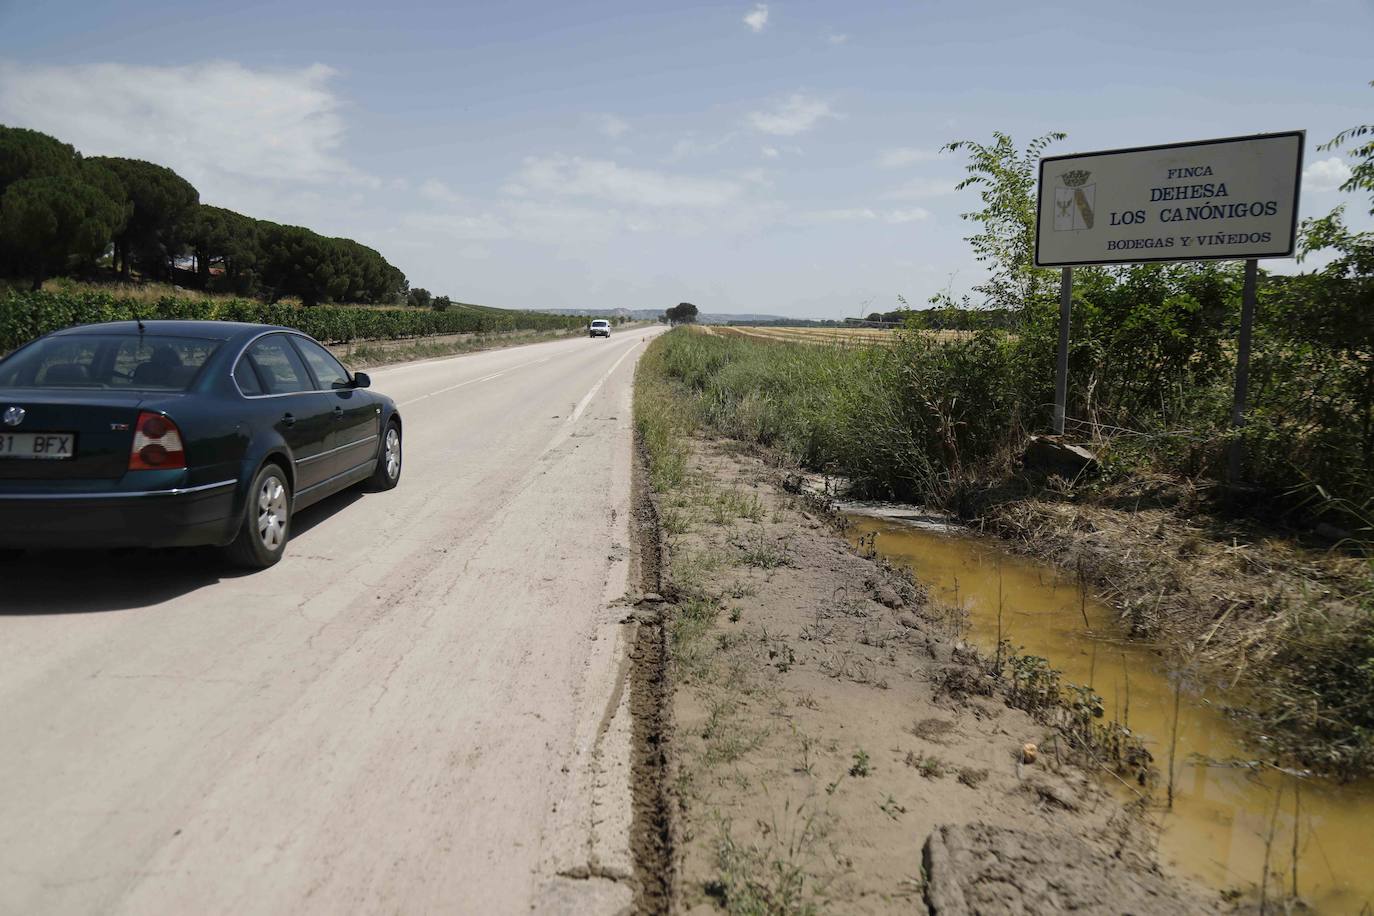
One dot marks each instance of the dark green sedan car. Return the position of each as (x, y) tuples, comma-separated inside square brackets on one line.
[(182, 433)]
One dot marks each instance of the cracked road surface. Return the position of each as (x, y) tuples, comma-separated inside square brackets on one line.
[(419, 709)]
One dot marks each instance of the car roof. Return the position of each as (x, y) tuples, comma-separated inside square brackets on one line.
[(208, 330)]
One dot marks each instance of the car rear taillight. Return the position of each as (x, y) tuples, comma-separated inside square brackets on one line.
[(157, 444)]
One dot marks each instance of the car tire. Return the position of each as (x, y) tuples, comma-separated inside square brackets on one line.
[(266, 525), (388, 472)]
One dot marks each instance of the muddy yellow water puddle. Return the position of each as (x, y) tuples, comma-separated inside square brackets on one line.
[(1221, 819)]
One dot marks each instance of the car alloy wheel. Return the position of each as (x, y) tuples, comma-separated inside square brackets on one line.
[(393, 452), (273, 511)]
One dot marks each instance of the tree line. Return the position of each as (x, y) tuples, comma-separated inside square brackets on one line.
[(944, 316), (62, 213)]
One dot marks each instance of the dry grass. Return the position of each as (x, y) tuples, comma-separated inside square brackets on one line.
[(140, 292), (152, 292), (370, 354), (844, 337)]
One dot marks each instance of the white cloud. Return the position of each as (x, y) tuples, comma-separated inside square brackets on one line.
[(915, 214), (1325, 174), (921, 188), (757, 18), (692, 146), (865, 214), (771, 152), (838, 38), (843, 215), (215, 124), (438, 191), (796, 115), (612, 126), (574, 176), (484, 226), (756, 176), (905, 155)]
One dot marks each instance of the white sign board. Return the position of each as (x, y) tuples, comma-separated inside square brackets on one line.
[(1231, 198)]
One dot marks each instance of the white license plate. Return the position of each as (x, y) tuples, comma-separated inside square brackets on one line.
[(37, 445)]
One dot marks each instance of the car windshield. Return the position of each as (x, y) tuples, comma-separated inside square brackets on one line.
[(119, 361), (601, 324)]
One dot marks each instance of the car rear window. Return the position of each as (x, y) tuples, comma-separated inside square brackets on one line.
[(135, 362), (279, 365)]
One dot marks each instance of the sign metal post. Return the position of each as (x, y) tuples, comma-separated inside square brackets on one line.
[(1247, 319), (1061, 376)]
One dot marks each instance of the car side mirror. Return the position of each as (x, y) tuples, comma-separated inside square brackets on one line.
[(362, 380)]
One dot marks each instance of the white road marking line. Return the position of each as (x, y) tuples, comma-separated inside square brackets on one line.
[(474, 381), (582, 405)]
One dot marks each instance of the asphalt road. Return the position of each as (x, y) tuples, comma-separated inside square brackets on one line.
[(419, 709)]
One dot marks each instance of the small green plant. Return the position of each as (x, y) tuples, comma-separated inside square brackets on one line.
[(890, 807), (770, 877), (1034, 683), (693, 620), (760, 553), (740, 589), (727, 505), (929, 767), (675, 521), (861, 766), (808, 745), (727, 738)]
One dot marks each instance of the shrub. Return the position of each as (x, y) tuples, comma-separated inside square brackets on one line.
[(25, 315)]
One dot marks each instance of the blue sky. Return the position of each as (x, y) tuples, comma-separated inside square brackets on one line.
[(779, 158)]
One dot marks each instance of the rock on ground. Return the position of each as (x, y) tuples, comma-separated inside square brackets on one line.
[(982, 869)]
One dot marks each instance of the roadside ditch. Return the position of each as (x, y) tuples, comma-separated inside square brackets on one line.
[(815, 734), (652, 836), (1230, 818)]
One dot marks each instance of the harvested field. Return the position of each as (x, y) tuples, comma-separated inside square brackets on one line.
[(845, 337)]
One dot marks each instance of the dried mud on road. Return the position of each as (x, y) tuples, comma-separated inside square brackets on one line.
[(835, 747)]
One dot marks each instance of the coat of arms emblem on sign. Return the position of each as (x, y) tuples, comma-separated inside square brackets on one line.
[(1073, 203)]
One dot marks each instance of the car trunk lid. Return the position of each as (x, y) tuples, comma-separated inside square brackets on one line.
[(102, 424)]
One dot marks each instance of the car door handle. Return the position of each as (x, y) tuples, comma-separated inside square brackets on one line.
[(338, 413), (289, 419)]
